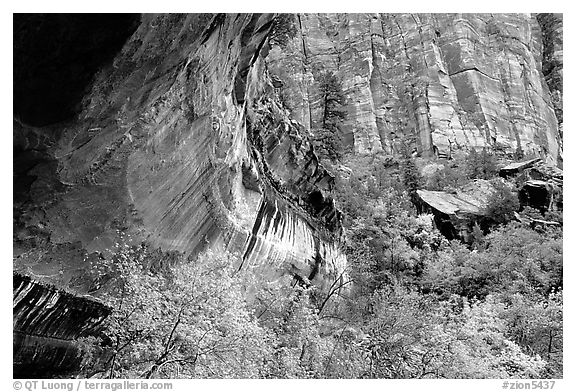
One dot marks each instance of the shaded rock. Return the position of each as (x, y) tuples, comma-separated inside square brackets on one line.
[(455, 214), (542, 195), (56, 57), (46, 321), (516, 168), (182, 144), (541, 185)]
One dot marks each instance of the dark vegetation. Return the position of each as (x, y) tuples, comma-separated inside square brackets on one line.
[(327, 139)]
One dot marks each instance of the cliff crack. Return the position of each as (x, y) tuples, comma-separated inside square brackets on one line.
[(474, 69)]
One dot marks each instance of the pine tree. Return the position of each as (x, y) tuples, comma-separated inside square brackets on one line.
[(411, 176), (327, 139)]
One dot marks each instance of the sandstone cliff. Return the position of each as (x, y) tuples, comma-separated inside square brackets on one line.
[(440, 82), (198, 133), (46, 321), (180, 143)]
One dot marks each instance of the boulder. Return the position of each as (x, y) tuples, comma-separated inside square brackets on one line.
[(516, 168), (540, 184), (455, 214)]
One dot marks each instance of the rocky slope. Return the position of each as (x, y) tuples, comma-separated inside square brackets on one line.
[(198, 133)]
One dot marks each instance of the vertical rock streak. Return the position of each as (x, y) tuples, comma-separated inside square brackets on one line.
[(46, 321), (197, 133), (188, 147), (440, 81)]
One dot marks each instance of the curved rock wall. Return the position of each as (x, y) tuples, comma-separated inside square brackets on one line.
[(198, 132), (182, 143), (441, 82)]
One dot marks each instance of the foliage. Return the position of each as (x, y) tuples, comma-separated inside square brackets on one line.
[(196, 324), (515, 259), (328, 144), (410, 174), (480, 165), (502, 204), (415, 336), (536, 324), (448, 179), (417, 306), (459, 171), (429, 308), (327, 139)]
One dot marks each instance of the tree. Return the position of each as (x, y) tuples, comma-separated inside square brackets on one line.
[(411, 176), (535, 323), (480, 165), (460, 171), (502, 204), (194, 324), (447, 179), (416, 336), (513, 259), (327, 139)]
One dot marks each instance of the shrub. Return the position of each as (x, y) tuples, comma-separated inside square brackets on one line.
[(480, 165), (502, 204)]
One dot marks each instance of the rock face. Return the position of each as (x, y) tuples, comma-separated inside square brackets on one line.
[(553, 59), (456, 214), (198, 132), (439, 82), (181, 142), (541, 184), (46, 320)]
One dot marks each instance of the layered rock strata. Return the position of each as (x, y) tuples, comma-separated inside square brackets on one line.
[(181, 143), (46, 322), (198, 132), (437, 82), (553, 59)]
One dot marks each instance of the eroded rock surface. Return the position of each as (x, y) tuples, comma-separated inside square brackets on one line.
[(180, 143), (46, 321), (198, 132), (439, 82)]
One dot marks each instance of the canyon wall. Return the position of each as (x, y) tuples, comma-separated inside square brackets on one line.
[(180, 143), (198, 132), (46, 322), (439, 82)]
